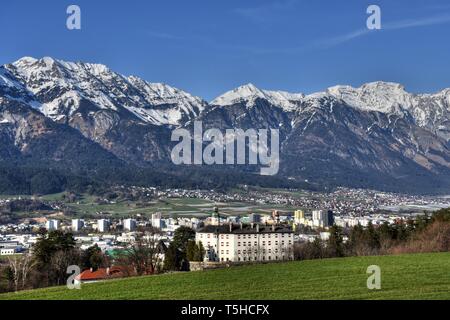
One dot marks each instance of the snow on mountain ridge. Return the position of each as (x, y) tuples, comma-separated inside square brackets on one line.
[(74, 81), (60, 86), (249, 93), (385, 97)]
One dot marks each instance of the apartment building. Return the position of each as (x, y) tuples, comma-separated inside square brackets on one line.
[(246, 243)]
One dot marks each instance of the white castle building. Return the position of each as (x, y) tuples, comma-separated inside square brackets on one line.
[(246, 243)]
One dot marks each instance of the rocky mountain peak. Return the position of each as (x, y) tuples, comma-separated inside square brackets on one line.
[(61, 87)]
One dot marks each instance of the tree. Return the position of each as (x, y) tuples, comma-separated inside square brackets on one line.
[(145, 255), (50, 243), (442, 215), (373, 236), (194, 251), (93, 258), (173, 258), (7, 276), (335, 243), (200, 252), (19, 270), (59, 262), (182, 236), (52, 254)]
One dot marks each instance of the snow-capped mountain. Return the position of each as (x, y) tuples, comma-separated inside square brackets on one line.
[(249, 93), (430, 111), (378, 135), (60, 87)]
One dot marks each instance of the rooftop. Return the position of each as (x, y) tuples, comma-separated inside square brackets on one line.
[(245, 229)]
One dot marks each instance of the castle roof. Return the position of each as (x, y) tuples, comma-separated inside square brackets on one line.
[(245, 229)]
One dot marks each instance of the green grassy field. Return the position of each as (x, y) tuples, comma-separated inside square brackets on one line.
[(87, 207), (419, 276)]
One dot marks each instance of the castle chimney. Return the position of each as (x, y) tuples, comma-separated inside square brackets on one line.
[(240, 225), (252, 225), (257, 227), (273, 228), (231, 226)]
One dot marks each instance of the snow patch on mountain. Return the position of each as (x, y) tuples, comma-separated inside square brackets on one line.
[(249, 94), (170, 104), (385, 97)]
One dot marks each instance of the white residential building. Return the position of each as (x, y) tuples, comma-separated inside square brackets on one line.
[(246, 243), (157, 221), (103, 225), (52, 225), (129, 224), (323, 219), (77, 225)]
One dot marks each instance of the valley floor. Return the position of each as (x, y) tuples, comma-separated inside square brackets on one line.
[(415, 276)]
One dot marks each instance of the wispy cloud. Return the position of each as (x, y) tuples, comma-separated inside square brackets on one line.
[(323, 43), (402, 24), (411, 23)]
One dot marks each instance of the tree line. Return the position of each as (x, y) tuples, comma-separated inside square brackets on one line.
[(422, 234)]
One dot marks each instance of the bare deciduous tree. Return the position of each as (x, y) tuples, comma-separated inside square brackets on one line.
[(20, 267)]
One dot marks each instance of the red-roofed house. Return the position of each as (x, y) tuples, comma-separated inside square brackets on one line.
[(101, 274)]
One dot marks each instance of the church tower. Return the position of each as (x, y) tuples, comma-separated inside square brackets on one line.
[(215, 217)]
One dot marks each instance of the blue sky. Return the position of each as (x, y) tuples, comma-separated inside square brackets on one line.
[(208, 47)]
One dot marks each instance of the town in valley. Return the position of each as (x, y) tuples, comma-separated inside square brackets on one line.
[(245, 225)]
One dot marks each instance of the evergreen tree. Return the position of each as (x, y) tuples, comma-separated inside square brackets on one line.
[(335, 243), (173, 258)]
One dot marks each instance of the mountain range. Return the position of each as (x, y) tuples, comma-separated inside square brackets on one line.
[(82, 115)]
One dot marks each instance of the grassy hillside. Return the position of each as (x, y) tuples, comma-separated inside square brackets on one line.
[(418, 276)]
